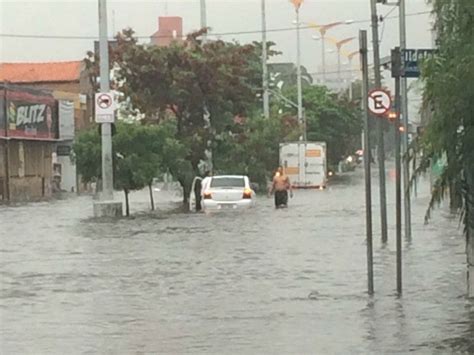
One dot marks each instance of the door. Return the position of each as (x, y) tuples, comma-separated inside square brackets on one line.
[(302, 163), (289, 160), (315, 156)]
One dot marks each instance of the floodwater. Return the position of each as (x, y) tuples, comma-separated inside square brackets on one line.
[(264, 282)]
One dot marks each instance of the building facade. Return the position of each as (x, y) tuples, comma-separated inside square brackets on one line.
[(28, 135), (70, 85), (170, 29)]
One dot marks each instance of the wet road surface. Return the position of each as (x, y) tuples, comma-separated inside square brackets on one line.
[(266, 281)]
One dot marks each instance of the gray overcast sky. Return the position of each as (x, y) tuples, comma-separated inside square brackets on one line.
[(79, 18)]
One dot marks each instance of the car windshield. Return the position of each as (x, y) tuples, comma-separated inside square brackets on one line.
[(227, 182)]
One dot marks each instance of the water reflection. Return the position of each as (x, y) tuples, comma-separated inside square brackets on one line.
[(288, 281)]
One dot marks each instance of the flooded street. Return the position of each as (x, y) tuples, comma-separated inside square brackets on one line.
[(266, 281)]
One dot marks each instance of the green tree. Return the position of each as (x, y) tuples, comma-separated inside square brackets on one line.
[(141, 153), (331, 119), (284, 75), (137, 158), (251, 145), (449, 104), (87, 154), (186, 79)]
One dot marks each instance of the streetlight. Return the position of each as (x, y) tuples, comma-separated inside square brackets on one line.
[(266, 100), (297, 4), (351, 56), (203, 18), (339, 45), (322, 29)]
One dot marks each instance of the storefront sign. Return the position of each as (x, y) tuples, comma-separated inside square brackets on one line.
[(30, 114)]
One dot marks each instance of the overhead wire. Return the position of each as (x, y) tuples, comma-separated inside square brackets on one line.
[(274, 30)]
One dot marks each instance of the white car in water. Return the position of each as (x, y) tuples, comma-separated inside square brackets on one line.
[(226, 192)]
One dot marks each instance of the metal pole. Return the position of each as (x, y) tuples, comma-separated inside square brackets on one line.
[(368, 192), (323, 54), (266, 99), (206, 115), (350, 80), (106, 128), (203, 19), (380, 134), (339, 65), (298, 74), (404, 111), (398, 190), (7, 196)]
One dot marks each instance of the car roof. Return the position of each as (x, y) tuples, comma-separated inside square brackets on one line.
[(228, 176)]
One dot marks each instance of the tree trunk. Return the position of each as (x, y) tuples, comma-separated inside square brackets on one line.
[(186, 192), (127, 205), (152, 200)]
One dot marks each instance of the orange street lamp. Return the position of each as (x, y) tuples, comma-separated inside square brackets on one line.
[(322, 29), (301, 119), (339, 45)]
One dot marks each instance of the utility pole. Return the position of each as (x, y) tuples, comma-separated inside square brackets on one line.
[(106, 128), (203, 18), (6, 156), (368, 183), (298, 73), (339, 64), (398, 191), (404, 111), (380, 134), (266, 98), (323, 54), (106, 206), (206, 114)]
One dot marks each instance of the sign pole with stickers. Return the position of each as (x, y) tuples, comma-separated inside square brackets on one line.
[(105, 116), (367, 160), (398, 167)]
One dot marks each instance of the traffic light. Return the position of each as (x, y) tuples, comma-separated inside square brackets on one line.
[(392, 116)]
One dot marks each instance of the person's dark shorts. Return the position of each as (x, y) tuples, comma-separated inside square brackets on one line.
[(281, 198)]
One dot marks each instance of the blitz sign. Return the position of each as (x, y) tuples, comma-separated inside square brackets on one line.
[(412, 59)]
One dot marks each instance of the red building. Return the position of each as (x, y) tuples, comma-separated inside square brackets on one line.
[(170, 28)]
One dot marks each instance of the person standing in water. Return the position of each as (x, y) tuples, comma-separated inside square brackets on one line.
[(280, 186)]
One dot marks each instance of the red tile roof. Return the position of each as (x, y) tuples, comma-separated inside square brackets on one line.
[(40, 72)]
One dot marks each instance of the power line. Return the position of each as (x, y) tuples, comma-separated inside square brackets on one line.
[(274, 30)]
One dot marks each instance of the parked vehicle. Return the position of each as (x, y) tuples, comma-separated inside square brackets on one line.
[(305, 163), (224, 192)]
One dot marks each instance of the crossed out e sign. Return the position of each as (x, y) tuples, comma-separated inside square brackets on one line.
[(379, 102)]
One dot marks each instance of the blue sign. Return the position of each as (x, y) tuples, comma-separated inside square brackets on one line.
[(412, 59)]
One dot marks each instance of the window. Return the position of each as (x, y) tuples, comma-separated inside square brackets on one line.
[(222, 182)]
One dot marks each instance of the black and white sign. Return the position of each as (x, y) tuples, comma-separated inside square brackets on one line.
[(379, 102), (104, 107)]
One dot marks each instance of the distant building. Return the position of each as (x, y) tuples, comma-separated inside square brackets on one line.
[(68, 85), (170, 29), (28, 135), (333, 79), (63, 77)]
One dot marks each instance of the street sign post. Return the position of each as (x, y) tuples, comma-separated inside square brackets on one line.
[(411, 60), (379, 102), (104, 107)]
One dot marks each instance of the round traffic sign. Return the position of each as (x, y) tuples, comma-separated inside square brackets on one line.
[(104, 101), (380, 102)]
